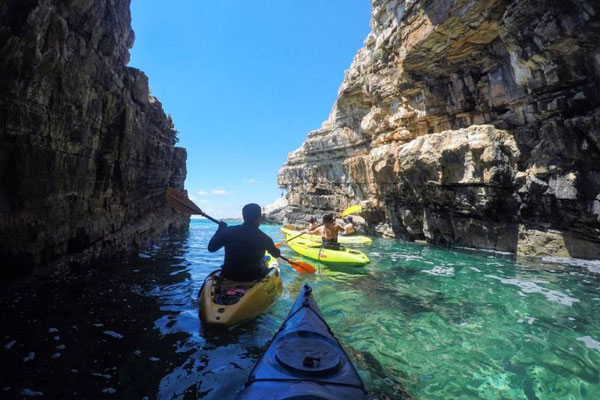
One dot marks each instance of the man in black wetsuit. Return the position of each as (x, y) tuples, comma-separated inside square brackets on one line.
[(245, 246)]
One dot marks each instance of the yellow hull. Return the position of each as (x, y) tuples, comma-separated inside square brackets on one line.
[(316, 238), (259, 296), (314, 251)]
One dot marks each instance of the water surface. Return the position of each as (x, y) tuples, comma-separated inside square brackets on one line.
[(434, 322)]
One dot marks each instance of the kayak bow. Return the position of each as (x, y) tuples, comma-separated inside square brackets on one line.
[(304, 360)]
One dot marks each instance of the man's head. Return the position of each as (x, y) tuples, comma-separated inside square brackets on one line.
[(348, 220), (252, 214), (312, 220), (328, 219)]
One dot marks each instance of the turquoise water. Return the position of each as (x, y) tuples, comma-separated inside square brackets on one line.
[(433, 322)]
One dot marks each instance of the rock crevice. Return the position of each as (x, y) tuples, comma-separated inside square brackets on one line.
[(468, 124)]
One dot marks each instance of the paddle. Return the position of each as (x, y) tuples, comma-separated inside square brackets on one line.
[(181, 203), (346, 212), (300, 266)]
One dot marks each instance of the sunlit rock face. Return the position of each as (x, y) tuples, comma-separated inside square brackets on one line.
[(85, 153), (466, 123)]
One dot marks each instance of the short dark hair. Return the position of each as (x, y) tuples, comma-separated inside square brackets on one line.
[(251, 212), (349, 219), (312, 219), (328, 218)]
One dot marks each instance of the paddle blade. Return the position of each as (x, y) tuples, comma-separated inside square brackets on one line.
[(351, 210), (302, 267), (180, 202)]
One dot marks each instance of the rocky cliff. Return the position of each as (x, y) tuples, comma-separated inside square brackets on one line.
[(466, 123), (85, 153)]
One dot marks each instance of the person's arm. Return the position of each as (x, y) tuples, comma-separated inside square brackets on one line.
[(317, 231), (271, 248), (217, 241)]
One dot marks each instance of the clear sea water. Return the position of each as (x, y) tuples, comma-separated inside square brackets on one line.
[(434, 323)]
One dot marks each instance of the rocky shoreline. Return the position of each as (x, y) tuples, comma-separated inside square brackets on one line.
[(473, 124)]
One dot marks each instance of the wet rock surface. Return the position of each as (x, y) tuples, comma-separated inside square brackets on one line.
[(465, 123), (86, 154)]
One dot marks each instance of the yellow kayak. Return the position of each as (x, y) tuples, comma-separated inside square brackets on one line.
[(314, 250), (317, 238), (225, 303)]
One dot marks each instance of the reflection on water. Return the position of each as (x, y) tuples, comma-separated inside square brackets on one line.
[(437, 323)]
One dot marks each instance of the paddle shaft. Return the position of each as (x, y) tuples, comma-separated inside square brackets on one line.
[(210, 218), (297, 236)]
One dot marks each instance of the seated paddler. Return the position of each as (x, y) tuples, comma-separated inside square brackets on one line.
[(329, 232), (245, 247)]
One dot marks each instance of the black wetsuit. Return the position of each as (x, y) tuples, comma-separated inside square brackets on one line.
[(245, 247)]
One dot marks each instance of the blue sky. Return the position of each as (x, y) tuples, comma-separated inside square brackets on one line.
[(244, 81)]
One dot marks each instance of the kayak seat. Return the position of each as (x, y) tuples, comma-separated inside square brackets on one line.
[(228, 295), (230, 292)]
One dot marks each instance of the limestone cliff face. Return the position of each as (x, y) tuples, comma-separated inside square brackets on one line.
[(466, 123), (85, 153)]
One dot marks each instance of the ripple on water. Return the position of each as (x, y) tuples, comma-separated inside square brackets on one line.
[(438, 323)]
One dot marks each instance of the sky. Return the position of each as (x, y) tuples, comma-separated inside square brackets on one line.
[(244, 81)]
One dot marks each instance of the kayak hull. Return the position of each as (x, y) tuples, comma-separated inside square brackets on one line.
[(313, 250), (354, 239), (257, 297), (304, 360)]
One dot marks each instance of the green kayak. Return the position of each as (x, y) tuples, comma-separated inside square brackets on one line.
[(314, 251)]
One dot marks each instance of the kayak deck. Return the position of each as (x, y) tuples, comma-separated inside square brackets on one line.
[(227, 304), (354, 239), (315, 251), (304, 360)]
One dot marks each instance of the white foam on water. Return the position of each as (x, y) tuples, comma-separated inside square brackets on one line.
[(440, 271), (533, 287), (113, 334), (592, 265), (29, 357), (590, 342), (105, 376), (504, 253), (31, 393), (475, 269), (10, 344)]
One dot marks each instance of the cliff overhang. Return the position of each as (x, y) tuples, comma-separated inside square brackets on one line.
[(466, 123)]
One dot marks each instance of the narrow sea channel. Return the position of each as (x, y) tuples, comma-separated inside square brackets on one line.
[(437, 323)]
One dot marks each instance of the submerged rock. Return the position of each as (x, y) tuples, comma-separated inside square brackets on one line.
[(86, 154), (465, 123)]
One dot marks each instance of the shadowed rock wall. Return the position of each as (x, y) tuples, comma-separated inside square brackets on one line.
[(85, 153), (466, 123)]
